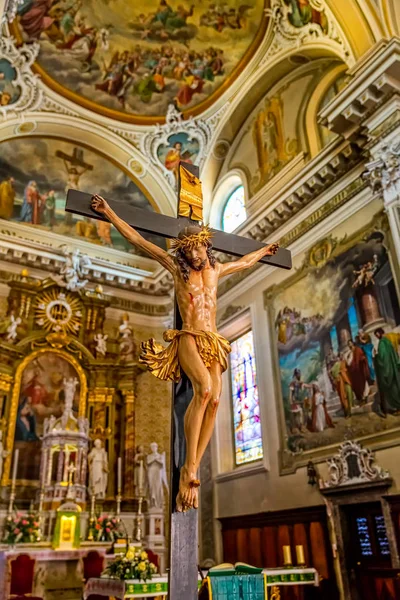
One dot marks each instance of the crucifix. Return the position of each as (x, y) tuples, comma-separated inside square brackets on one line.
[(196, 355)]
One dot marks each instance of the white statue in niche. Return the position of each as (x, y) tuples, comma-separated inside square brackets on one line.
[(156, 477), (139, 468), (69, 391), (101, 343), (98, 469), (125, 338)]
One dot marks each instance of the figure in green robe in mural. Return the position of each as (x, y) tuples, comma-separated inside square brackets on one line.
[(387, 367)]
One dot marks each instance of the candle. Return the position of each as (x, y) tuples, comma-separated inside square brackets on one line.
[(141, 476), (301, 561), (15, 466), (119, 474), (287, 556)]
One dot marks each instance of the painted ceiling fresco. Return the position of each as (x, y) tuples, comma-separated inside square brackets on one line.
[(130, 60)]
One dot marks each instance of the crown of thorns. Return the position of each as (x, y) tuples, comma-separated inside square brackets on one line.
[(188, 242)]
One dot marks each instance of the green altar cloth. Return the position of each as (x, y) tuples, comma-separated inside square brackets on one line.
[(237, 587)]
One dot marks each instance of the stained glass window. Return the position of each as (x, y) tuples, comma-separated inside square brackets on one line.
[(234, 211), (363, 536), (246, 408)]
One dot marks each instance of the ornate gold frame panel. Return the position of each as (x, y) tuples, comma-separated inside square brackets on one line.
[(12, 415), (316, 257)]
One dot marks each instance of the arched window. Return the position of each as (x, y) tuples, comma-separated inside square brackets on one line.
[(235, 211), (245, 402)]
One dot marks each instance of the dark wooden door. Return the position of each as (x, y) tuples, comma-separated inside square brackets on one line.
[(367, 548)]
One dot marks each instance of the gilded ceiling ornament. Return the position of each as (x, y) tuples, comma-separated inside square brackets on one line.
[(20, 90), (58, 312), (297, 28), (176, 140)]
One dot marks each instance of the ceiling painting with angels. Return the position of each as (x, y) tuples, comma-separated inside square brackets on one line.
[(125, 58)]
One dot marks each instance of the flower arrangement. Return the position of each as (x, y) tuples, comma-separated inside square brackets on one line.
[(134, 565), (105, 529), (21, 529)]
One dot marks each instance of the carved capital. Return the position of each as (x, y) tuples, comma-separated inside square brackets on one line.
[(383, 174)]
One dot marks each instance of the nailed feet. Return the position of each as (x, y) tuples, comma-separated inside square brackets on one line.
[(187, 497)]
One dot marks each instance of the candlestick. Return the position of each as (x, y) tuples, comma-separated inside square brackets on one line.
[(13, 484), (287, 556), (301, 561), (40, 515), (138, 535), (15, 466), (141, 475), (92, 518), (119, 480)]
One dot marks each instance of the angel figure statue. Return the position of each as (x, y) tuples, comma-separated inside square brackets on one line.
[(156, 477), (71, 272)]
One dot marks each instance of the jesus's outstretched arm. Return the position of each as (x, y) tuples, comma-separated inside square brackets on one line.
[(101, 206), (248, 260)]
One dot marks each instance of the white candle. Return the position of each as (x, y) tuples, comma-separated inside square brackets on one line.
[(141, 475), (119, 474), (15, 466)]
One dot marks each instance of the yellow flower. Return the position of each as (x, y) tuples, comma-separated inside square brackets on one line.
[(143, 556), (142, 566), (130, 555)]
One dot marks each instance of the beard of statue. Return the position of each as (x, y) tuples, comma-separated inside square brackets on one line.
[(186, 265)]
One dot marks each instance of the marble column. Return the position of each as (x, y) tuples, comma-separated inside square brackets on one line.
[(343, 331), (60, 464), (129, 448), (369, 308)]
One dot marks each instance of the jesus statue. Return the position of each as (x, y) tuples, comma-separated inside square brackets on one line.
[(197, 349)]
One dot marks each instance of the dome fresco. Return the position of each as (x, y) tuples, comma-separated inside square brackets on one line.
[(131, 60)]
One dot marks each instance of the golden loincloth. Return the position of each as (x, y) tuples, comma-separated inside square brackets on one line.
[(164, 363)]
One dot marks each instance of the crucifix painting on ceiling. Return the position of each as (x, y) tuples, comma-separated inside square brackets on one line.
[(35, 174), (137, 58)]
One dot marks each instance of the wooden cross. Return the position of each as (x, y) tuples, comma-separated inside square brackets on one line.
[(183, 534)]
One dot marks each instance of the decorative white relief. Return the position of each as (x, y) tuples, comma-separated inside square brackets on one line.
[(384, 173), (25, 85), (353, 465), (287, 35), (51, 105), (10, 11), (74, 269), (196, 129)]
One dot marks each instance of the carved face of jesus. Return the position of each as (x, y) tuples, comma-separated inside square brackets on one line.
[(197, 257)]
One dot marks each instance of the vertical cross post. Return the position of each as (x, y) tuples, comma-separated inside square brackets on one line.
[(183, 572)]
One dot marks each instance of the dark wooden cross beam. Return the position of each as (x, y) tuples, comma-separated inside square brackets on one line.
[(184, 526)]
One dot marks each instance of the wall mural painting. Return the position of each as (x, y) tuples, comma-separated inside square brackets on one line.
[(35, 175), (303, 13), (9, 91), (41, 395), (180, 148), (270, 139), (338, 335), (139, 57)]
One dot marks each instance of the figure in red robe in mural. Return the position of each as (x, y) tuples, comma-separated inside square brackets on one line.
[(359, 373)]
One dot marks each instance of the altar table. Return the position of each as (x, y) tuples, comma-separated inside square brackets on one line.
[(157, 587)]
